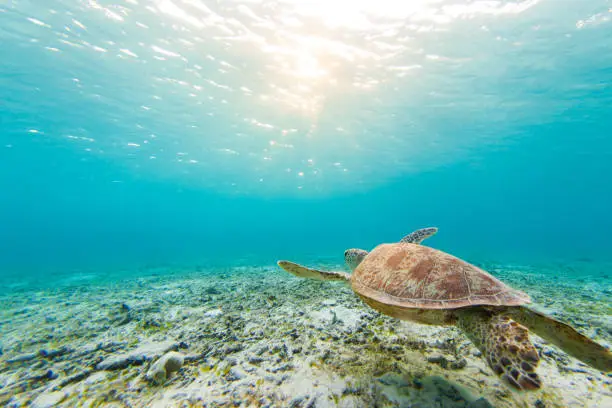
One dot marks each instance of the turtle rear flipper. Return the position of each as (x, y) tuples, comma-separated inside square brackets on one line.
[(565, 337), (310, 273), (504, 344)]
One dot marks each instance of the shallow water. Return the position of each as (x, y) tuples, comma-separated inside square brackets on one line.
[(157, 157)]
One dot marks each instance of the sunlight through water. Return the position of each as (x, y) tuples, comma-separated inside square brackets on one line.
[(290, 97)]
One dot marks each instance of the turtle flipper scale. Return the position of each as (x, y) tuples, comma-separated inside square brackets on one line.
[(505, 345), (416, 237)]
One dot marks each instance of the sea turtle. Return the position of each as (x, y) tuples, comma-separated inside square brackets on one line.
[(414, 282)]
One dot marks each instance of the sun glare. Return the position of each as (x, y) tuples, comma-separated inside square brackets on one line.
[(306, 76), (307, 66), (316, 47), (357, 14)]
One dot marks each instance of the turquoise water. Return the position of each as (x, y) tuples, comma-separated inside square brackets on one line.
[(157, 157), (138, 133)]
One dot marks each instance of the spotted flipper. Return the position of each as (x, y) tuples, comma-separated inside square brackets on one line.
[(353, 257), (504, 344), (309, 273), (565, 337), (416, 237)]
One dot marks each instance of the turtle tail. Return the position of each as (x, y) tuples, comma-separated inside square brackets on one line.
[(565, 337), (504, 344)]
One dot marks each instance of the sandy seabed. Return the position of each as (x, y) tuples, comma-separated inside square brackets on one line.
[(259, 337)]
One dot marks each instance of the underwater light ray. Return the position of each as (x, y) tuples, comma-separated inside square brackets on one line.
[(189, 68)]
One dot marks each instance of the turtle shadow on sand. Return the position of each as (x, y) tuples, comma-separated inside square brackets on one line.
[(410, 281)]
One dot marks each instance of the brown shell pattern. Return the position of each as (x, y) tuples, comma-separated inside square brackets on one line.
[(410, 275)]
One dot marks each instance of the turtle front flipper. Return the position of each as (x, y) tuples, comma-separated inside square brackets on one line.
[(504, 344), (565, 337), (310, 273), (416, 237)]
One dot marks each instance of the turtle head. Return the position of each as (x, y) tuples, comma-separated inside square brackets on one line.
[(353, 257)]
